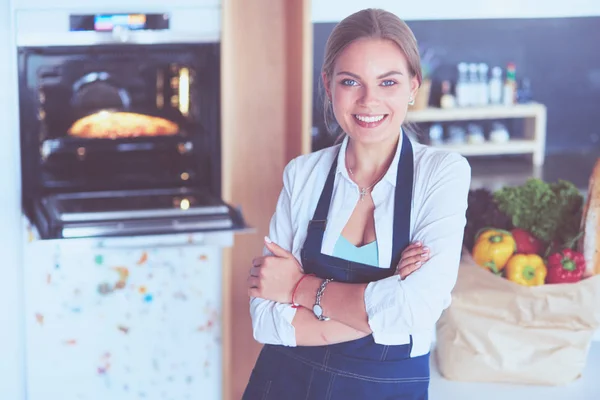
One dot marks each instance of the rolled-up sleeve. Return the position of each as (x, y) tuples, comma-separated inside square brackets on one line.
[(416, 303), (272, 321)]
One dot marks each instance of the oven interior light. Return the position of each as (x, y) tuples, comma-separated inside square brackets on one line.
[(81, 153), (160, 86), (184, 204), (184, 91)]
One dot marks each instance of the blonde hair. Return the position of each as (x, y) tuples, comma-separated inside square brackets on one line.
[(371, 23)]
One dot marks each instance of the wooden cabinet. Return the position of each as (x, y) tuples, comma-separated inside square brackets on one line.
[(125, 318), (266, 102)]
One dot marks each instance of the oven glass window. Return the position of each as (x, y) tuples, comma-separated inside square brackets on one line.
[(116, 94), (106, 117)]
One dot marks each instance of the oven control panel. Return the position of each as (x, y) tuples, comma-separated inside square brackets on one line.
[(48, 27), (113, 22)]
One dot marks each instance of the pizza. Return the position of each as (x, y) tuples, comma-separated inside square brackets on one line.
[(115, 125)]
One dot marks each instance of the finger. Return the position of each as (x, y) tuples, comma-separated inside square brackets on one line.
[(413, 251), (412, 255), (258, 261), (414, 245), (276, 249), (406, 271), (253, 282), (255, 271), (419, 258), (407, 264)]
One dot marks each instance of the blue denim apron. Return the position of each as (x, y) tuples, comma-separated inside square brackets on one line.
[(359, 369)]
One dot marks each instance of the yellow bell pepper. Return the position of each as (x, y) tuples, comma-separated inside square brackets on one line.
[(526, 269), (493, 248)]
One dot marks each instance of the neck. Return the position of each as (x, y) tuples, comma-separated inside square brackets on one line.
[(369, 162)]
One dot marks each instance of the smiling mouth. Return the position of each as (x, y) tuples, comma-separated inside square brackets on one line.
[(369, 121), (370, 118)]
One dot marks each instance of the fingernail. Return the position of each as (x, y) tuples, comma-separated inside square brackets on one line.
[(425, 248), (418, 263), (268, 240), (424, 255), (418, 243)]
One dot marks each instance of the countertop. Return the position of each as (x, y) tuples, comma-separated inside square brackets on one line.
[(585, 388)]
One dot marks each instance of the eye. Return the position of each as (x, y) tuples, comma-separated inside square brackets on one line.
[(388, 82), (349, 82)]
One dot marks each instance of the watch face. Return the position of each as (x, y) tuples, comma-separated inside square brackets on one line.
[(317, 310)]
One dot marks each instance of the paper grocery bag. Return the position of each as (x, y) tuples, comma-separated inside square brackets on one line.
[(498, 331)]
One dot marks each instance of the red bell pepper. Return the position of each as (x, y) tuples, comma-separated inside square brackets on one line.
[(526, 242), (566, 266)]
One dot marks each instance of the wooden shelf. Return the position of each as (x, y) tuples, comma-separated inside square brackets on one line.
[(490, 148), (534, 134), (532, 110)]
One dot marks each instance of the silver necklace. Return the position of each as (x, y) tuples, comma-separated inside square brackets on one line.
[(364, 191)]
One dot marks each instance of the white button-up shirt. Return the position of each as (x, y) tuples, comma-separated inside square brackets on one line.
[(396, 308)]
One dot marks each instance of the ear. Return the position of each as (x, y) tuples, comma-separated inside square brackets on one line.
[(326, 85), (414, 86)]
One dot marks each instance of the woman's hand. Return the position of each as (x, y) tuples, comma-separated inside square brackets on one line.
[(274, 277), (413, 257)]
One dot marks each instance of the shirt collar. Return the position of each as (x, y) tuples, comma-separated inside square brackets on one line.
[(392, 172)]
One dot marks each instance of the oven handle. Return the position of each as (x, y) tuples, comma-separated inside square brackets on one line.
[(213, 239)]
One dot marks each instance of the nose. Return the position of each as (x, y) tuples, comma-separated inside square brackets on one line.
[(368, 97)]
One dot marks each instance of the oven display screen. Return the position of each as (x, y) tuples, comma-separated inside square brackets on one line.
[(108, 22)]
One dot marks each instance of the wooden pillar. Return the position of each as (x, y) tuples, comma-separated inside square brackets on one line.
[(266, 108)]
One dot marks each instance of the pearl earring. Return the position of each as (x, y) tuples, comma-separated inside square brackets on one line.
[(411, 101)]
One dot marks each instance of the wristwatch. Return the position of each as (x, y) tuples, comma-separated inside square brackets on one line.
[(317, 309)]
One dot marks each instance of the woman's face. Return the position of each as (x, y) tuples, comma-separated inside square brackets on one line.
[(370, 89)]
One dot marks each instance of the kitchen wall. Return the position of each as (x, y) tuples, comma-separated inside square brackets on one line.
[(546, 43), (336, 10), (11, 359), (111, 5)]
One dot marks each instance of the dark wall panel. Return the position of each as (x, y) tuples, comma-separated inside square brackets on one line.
[(561, 57)]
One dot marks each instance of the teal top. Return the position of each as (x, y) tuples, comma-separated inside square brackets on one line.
[(367, 254)]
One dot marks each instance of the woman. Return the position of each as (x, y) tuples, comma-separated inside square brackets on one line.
[(337, 318)]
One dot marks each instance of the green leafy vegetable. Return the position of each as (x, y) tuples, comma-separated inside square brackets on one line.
[(550, 211)]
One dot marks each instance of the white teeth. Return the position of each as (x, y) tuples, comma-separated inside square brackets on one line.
[(369, 119)]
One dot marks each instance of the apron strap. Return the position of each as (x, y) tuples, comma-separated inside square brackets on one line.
[(403, 201), (316, 226), (322, 209)]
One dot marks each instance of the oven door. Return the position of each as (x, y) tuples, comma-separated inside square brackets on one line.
[(133, 213), (115, 117)]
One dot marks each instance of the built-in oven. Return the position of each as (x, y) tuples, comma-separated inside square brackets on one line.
[(120, 127)]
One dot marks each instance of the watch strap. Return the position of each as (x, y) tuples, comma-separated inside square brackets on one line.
[(317, 309)]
